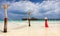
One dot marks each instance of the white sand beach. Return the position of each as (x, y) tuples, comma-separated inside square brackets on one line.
[(37, 28)]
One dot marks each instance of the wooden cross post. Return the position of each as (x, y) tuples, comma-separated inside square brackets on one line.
[(29, 18), (5, 6)]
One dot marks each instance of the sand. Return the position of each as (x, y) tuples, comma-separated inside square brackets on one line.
[(36, 29)]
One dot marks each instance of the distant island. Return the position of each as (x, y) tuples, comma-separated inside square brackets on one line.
[(33, 18), (30, 19)]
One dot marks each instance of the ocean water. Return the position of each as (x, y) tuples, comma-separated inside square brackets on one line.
[(36, 23), (25, 22), (1, 21)]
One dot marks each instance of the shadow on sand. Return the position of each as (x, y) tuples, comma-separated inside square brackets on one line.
[(1, 31), (19, 27)]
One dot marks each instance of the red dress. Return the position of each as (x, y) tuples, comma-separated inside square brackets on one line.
[(46, 22)]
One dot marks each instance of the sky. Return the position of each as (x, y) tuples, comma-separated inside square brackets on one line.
[(17, 9)]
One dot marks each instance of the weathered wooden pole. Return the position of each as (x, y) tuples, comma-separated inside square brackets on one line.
[(5, 6), (29, 18)]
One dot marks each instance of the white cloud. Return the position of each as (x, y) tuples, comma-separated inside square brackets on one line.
[(25, 6), (37, 9)]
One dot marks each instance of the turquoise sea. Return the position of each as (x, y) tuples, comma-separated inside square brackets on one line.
[(1, 21), (37, 23), (27, 20)]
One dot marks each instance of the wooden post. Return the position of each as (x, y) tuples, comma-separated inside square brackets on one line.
[(5, 6), (29, 18)]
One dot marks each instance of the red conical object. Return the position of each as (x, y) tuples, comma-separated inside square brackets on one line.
[(46, 22)]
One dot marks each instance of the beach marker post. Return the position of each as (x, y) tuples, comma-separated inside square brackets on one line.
[(29, 18), (5, 6), (46, 22)]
